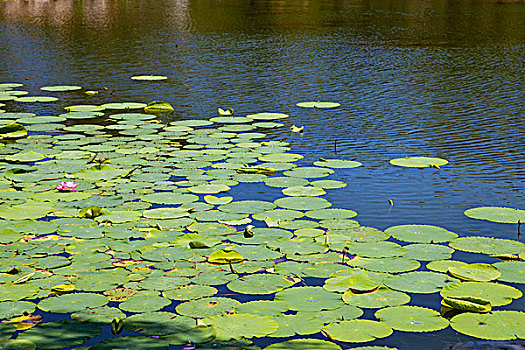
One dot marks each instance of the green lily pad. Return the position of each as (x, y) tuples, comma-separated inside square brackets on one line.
[(119, 216), (290, 325), (418, 281), (376, 299), (217, 200), (14, 292), (158, 323), (29, 156), (239, 326), (488, 245), (308, 172), (209, 188), (144, 303), (149, 77), (357, 331), (309, 299), (419, 162), (302, 203), (470, 304), (357, 280), (318, 104), (475, 272), (102, 315), (225, 257), (511, 271), (33, 99), (304, 344), (337, 163), (189, 292), (392, 265), (262, 307), (131, 342), (267, 116), (443, 265), (17, 344), (261, 283), (381, 249), (197, 335), (169, 198), (10, 309), (205, 307), (497, 214), (84, 108), (306, 191), (60, 88), (165, 213), (428, 252), (497, 294), (421, 233), (158, 107), (280, 157), (498, 325), (247, 207), (412, 318), (12, 131), (285, 181), (60, 334), (328, 184), (72, 302)]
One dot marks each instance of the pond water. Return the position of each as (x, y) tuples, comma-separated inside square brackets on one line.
[(433, 78)]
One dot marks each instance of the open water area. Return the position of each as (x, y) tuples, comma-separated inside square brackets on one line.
[(430, 78)]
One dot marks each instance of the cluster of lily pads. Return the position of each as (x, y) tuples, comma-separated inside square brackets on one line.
[(129, 224)]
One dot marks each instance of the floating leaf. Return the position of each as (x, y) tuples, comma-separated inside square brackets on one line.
[(418, 281), (260, 283), (497, 294), (392, 265), (357, 331), (267, 116), (280, 157), (238, 326), (12, 131), (318, 104), (72, 302), (498, 325), (309, 299), (131, 342), (428, 252), (17, 344), (158, 107), (306, 191), (217, 200), (419, 162), (225, 257), (376, 299), (488, 245), (205, 307), (356, 280), (382, 249), (33, 99), (247, 207), (497, 214), (302, 203), (511, 271), (470, 304), (443, 265), (144, 303), (337, 163), (290, 325), (60, 88), (149, 77), (102, 315), (304, 344), (10, 309), (188, 292), (421, 233), (412, 318), (60, 334), (475, 272)]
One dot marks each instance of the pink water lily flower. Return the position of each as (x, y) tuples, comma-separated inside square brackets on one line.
[(67, 186)]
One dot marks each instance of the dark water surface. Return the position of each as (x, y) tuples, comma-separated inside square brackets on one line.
[(436, 78)]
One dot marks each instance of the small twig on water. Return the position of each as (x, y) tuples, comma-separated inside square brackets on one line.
[(519, 224)]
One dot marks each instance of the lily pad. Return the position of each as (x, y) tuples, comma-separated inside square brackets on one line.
[(337, 163), (72, 302), (418, 281), (10, 309), (158, 107), (357, 331), (511, 271), (102, 315), (17, 344), (60, 88), (381, 249), (131, 342), (475, 272), (304, 344), (421, 233), (149, 77), (412, 318), (12, 131), (225, 257), (419, 162), (300, 324), (392, 265), (309, 172), (497, 214), (261, 283), (428, 252), (497, 294), (247, 207), (205, 307), (306, 191), (470, 304), (280, 157), (302, 203), (318, 104), (239, 326), (60, 334), (487, 245), (443, 265), (498, 325), (189, 292), (376, 299), (267, 116), (144, 303), (309, 299)]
